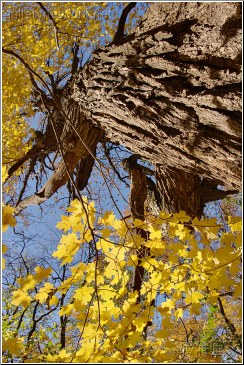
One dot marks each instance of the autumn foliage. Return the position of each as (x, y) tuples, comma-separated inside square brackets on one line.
[(187, 277), (188, 308)]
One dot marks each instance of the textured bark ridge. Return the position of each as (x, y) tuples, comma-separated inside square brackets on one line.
[(171, 92), (76, 139)]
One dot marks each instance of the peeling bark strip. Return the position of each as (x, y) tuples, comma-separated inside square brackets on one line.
[(76, 152), (171, 91)]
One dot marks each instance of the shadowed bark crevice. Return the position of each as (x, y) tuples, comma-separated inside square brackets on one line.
[(182, 191)]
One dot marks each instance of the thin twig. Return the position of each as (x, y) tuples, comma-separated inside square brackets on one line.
[(53, 21)]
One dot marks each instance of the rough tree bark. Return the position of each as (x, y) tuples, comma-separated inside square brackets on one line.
[(171, 92)]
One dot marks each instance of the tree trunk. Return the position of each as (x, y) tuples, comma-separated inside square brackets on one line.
[(171, 92)]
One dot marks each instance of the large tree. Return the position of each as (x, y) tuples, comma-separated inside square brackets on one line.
[(167, 90), (170, 91)]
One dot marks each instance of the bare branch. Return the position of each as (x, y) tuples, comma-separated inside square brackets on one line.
[(27, 175), (107, 154), (32, 153), (52, 20), (12, 53)]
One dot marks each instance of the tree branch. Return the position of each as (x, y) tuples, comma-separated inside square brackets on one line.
[(27, 175), (107, 154), (52, 20), (138, 196), (119, 35), (12, 53), (75, 61), (229, 323), (210, 192)]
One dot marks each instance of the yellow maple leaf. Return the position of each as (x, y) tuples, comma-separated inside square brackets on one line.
[(8, 218), (195, 308), (53, 301), (68, 247), (164, 333), (107, 293), (235, 224), (42, 295), (238, 290), (4, 173), (27, 282), (21, 298), (42, 273), (4, 249), (13, 345), (170, 304), (66, 310), (194, 297), (84, 294), (179, 313)]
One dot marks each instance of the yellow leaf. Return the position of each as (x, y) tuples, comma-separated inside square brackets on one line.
[(170, 304), (42, 273), (106, 292), (235, 223), (4, 173), (194, 297), (179, 313), (238, 290), (21, 298), (84, 294), (195, 308), (8, 219), (13, 345), (28, 282), (68, 247), (66, 310), (54, 301), (4, 249), (164, 333), (43, 292)]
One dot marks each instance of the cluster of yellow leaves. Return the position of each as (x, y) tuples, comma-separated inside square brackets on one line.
[(15, 130), (183, 273), (28, 31), (29, 282)]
